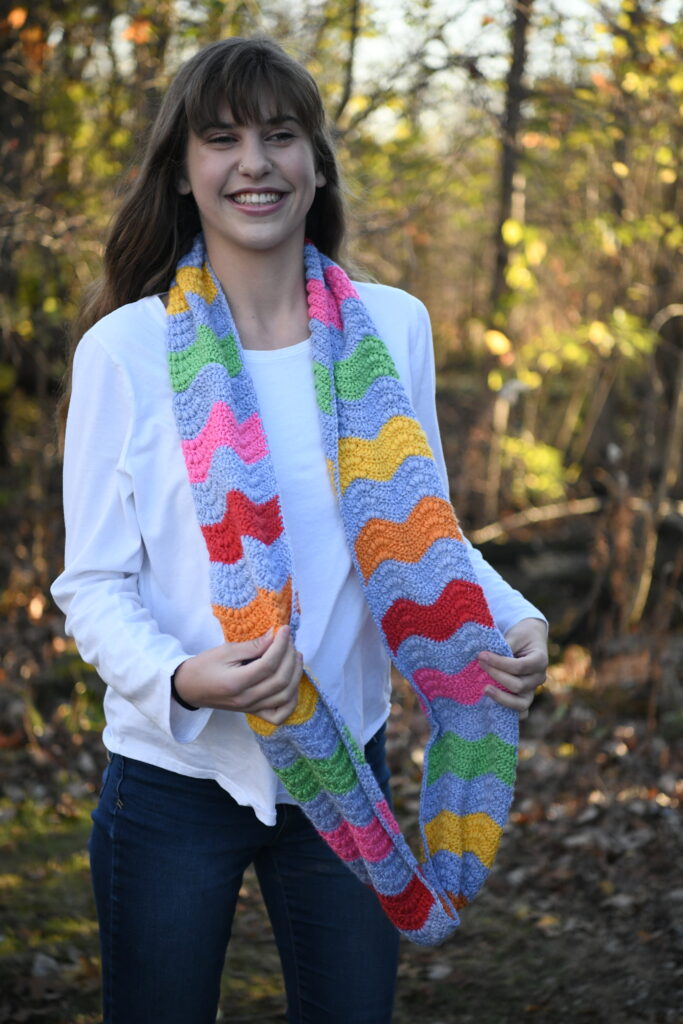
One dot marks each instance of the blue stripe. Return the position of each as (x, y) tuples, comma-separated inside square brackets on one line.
[(209, 495), (450, 655), (486, 793), (422, 581), (192, 408)]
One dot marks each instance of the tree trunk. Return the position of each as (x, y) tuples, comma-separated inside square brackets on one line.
[(514, 97)]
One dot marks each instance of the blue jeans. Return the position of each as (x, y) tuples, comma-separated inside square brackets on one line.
[(168, 853)]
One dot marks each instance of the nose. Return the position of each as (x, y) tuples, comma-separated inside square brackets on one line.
[(254, 161)]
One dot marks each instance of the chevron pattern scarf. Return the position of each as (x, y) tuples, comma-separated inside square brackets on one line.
[(414, 569)]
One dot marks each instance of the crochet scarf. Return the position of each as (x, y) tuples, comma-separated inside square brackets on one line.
[(416, 577)]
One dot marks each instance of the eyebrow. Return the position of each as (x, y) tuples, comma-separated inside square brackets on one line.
[(269, 122)]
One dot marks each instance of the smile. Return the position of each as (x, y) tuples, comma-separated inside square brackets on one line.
[(256, 198)]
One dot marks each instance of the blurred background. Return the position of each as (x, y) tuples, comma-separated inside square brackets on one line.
[(517, 166)]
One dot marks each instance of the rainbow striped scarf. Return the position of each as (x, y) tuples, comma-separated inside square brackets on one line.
[(415, 573)]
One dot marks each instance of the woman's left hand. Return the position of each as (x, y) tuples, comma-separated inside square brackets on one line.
[(522, 674)]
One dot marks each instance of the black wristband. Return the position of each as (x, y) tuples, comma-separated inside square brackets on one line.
[(178, 699)]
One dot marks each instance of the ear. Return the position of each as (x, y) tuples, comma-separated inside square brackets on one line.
[(320, 179), (184, 187)]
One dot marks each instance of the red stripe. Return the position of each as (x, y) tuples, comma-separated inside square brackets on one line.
[(458, 603), (409, 909), (243, 518)]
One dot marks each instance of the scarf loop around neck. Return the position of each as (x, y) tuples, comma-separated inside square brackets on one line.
[(414, 570)]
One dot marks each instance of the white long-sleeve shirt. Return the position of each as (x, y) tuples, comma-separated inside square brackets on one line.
[(135, 588)]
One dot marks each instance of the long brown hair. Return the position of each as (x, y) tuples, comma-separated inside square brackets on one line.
[(156, 224)]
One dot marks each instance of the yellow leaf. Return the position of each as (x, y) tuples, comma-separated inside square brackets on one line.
[(497, 342), (654, 43), (676, 82), (548, 361), (531, 378), (667, 175), (519, 278), (535, 251), (631, 82), (621, 170), (50, 305), (512, 232), (495, 380), (548, 921), (598, 333), (664, 155)]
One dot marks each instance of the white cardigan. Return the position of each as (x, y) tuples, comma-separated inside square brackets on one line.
[(135, 588)]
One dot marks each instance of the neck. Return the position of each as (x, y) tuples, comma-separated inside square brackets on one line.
[(266, 292)]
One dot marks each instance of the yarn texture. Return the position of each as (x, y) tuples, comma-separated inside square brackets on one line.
[(416, 576)]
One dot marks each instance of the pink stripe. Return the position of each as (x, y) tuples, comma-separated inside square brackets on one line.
[(222, 430), (353, 841), (340, 284), (465, 687), (321, 304), (383, 810)]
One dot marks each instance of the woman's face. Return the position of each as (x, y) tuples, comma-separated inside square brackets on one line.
[(253, 184)]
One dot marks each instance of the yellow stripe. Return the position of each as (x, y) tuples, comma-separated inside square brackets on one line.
[(379, 459), (305, 706), (190, 279), (176, 301), (197, 280), (330, 473), (476, 833)]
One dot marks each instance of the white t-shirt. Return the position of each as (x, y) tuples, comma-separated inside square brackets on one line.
[(135, 588)]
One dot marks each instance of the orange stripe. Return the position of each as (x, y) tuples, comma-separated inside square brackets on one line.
[(380, 539), (269, 608)]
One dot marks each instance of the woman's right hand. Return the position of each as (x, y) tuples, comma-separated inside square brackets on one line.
[(259, 677)]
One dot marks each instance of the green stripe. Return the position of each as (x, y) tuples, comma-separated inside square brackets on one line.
[(306, 777), (468, 760), (208, 348), (370, 360), (323, 387), (356, 752)]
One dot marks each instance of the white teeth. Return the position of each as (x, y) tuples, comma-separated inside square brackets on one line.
[(256, 198)]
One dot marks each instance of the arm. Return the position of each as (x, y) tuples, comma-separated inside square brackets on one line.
[(98, 590), (524, 627)]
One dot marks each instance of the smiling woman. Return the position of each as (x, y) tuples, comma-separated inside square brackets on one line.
[(253, 186), (258, 525)]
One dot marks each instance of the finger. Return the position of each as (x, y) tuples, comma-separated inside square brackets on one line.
[(247, 650), (515, 684), (509, 700), (535, 661), (277, 716), (281, 704), (276, 689), (267, 664)]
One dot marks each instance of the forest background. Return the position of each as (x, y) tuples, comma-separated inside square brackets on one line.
[(518, 167)]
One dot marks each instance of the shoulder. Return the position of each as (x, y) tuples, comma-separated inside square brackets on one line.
[(131, 335), (392, 305)]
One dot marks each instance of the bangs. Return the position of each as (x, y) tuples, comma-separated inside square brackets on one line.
[(255, 85)]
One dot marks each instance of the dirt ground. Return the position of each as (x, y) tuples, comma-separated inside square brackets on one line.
[(581, 920)]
